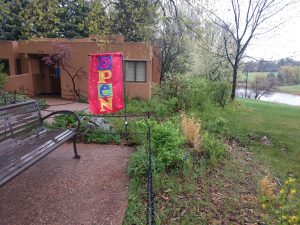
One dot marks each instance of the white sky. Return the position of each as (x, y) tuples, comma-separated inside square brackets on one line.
[(280, 43)]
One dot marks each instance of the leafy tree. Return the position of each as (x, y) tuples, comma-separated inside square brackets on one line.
[(172, 40), (280, 78), (41, 19), (271, 77), (208, 60), (23, 19), (97, 21), (72, 15), (291, 74), (11, 21), (247, 21), (135, 19), (261, 86)]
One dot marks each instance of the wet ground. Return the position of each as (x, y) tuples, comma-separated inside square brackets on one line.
[(61, 190)]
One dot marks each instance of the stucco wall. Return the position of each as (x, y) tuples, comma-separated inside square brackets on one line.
[(17, 81), (39, 80), (9, 52)]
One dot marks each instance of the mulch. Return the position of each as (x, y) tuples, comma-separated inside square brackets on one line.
[(61, 190)]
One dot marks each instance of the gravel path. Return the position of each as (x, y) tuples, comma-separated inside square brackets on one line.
[(61, 190)]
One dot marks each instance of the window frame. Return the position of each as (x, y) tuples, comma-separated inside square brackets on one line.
[(135, 61)]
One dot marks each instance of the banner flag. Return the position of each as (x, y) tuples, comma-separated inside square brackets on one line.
[(106, 90)]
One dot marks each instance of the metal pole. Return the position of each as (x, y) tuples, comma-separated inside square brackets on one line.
[(150, 177), (125, 103), (246, 84), (148, 181)]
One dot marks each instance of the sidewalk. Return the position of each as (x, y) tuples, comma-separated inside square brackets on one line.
[(61, 190), (56, 104)]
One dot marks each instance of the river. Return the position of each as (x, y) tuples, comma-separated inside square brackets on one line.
[(278, 97)]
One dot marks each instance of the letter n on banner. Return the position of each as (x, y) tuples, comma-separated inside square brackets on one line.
[(106, 87)]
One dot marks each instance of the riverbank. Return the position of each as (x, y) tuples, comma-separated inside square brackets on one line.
[(271, 130), (276, 97), (293, 89)]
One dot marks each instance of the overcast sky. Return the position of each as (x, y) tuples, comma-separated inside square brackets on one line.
[(280, 43)]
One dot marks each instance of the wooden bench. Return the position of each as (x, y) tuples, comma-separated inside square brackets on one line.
[(24, 139)]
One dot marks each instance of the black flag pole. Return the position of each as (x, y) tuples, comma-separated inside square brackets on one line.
[(125, 103)]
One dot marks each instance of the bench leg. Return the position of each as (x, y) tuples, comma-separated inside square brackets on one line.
[(75, 149)]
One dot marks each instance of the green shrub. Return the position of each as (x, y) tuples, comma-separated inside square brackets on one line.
[(7, 98), (42, 103), (214, 148), (220, 92), (187, 92), (164, 108), (137, 130), (167, 146), (137, 105), (3, 76), (217, 126), (138, 163), (172, 86), (167, 150), (99, 136), (86, 133), (63, 121)]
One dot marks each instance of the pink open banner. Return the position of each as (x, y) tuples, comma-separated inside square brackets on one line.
[(106, 87)]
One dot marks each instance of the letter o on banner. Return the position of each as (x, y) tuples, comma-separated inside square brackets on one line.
[(106, 87)]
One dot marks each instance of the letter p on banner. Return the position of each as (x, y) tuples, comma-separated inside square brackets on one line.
[(106, 87)]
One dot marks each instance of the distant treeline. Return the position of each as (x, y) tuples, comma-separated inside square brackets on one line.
[(269, 66)]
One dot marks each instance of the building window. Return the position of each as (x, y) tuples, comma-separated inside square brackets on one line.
[(135, 71), (18, 67), (5, 64)]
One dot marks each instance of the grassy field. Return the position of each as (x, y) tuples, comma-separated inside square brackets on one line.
[(279, 123), (294, 89), (226, 192), (251, 76)]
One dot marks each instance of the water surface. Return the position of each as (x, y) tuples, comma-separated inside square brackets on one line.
[(278, 97)]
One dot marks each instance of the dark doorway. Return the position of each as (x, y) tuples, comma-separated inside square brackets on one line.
[(55, 80)]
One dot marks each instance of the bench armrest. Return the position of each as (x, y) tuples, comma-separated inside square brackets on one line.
[(65, 112)]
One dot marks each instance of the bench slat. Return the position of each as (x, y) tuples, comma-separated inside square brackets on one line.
[(18, 147), (4, 113), (13, 155), (12, 120), (22, 130), (11, 170), (19, 120)]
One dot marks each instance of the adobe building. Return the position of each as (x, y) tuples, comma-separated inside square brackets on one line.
[(29, 73)]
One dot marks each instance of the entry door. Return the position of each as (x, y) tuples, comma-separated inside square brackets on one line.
[(55, 81)]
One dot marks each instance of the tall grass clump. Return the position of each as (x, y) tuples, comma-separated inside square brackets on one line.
[(212, 148), (191, 129)]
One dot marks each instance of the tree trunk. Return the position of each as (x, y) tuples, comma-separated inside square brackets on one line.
[(234, 79)]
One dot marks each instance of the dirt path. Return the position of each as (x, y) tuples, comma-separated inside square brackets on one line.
[(61, 190)]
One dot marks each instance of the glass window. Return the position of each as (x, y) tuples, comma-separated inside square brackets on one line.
[(140, 71), (129, 71), (135, 71)]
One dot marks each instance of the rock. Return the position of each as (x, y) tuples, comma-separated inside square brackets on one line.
[(97, 122), (265, 140)]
